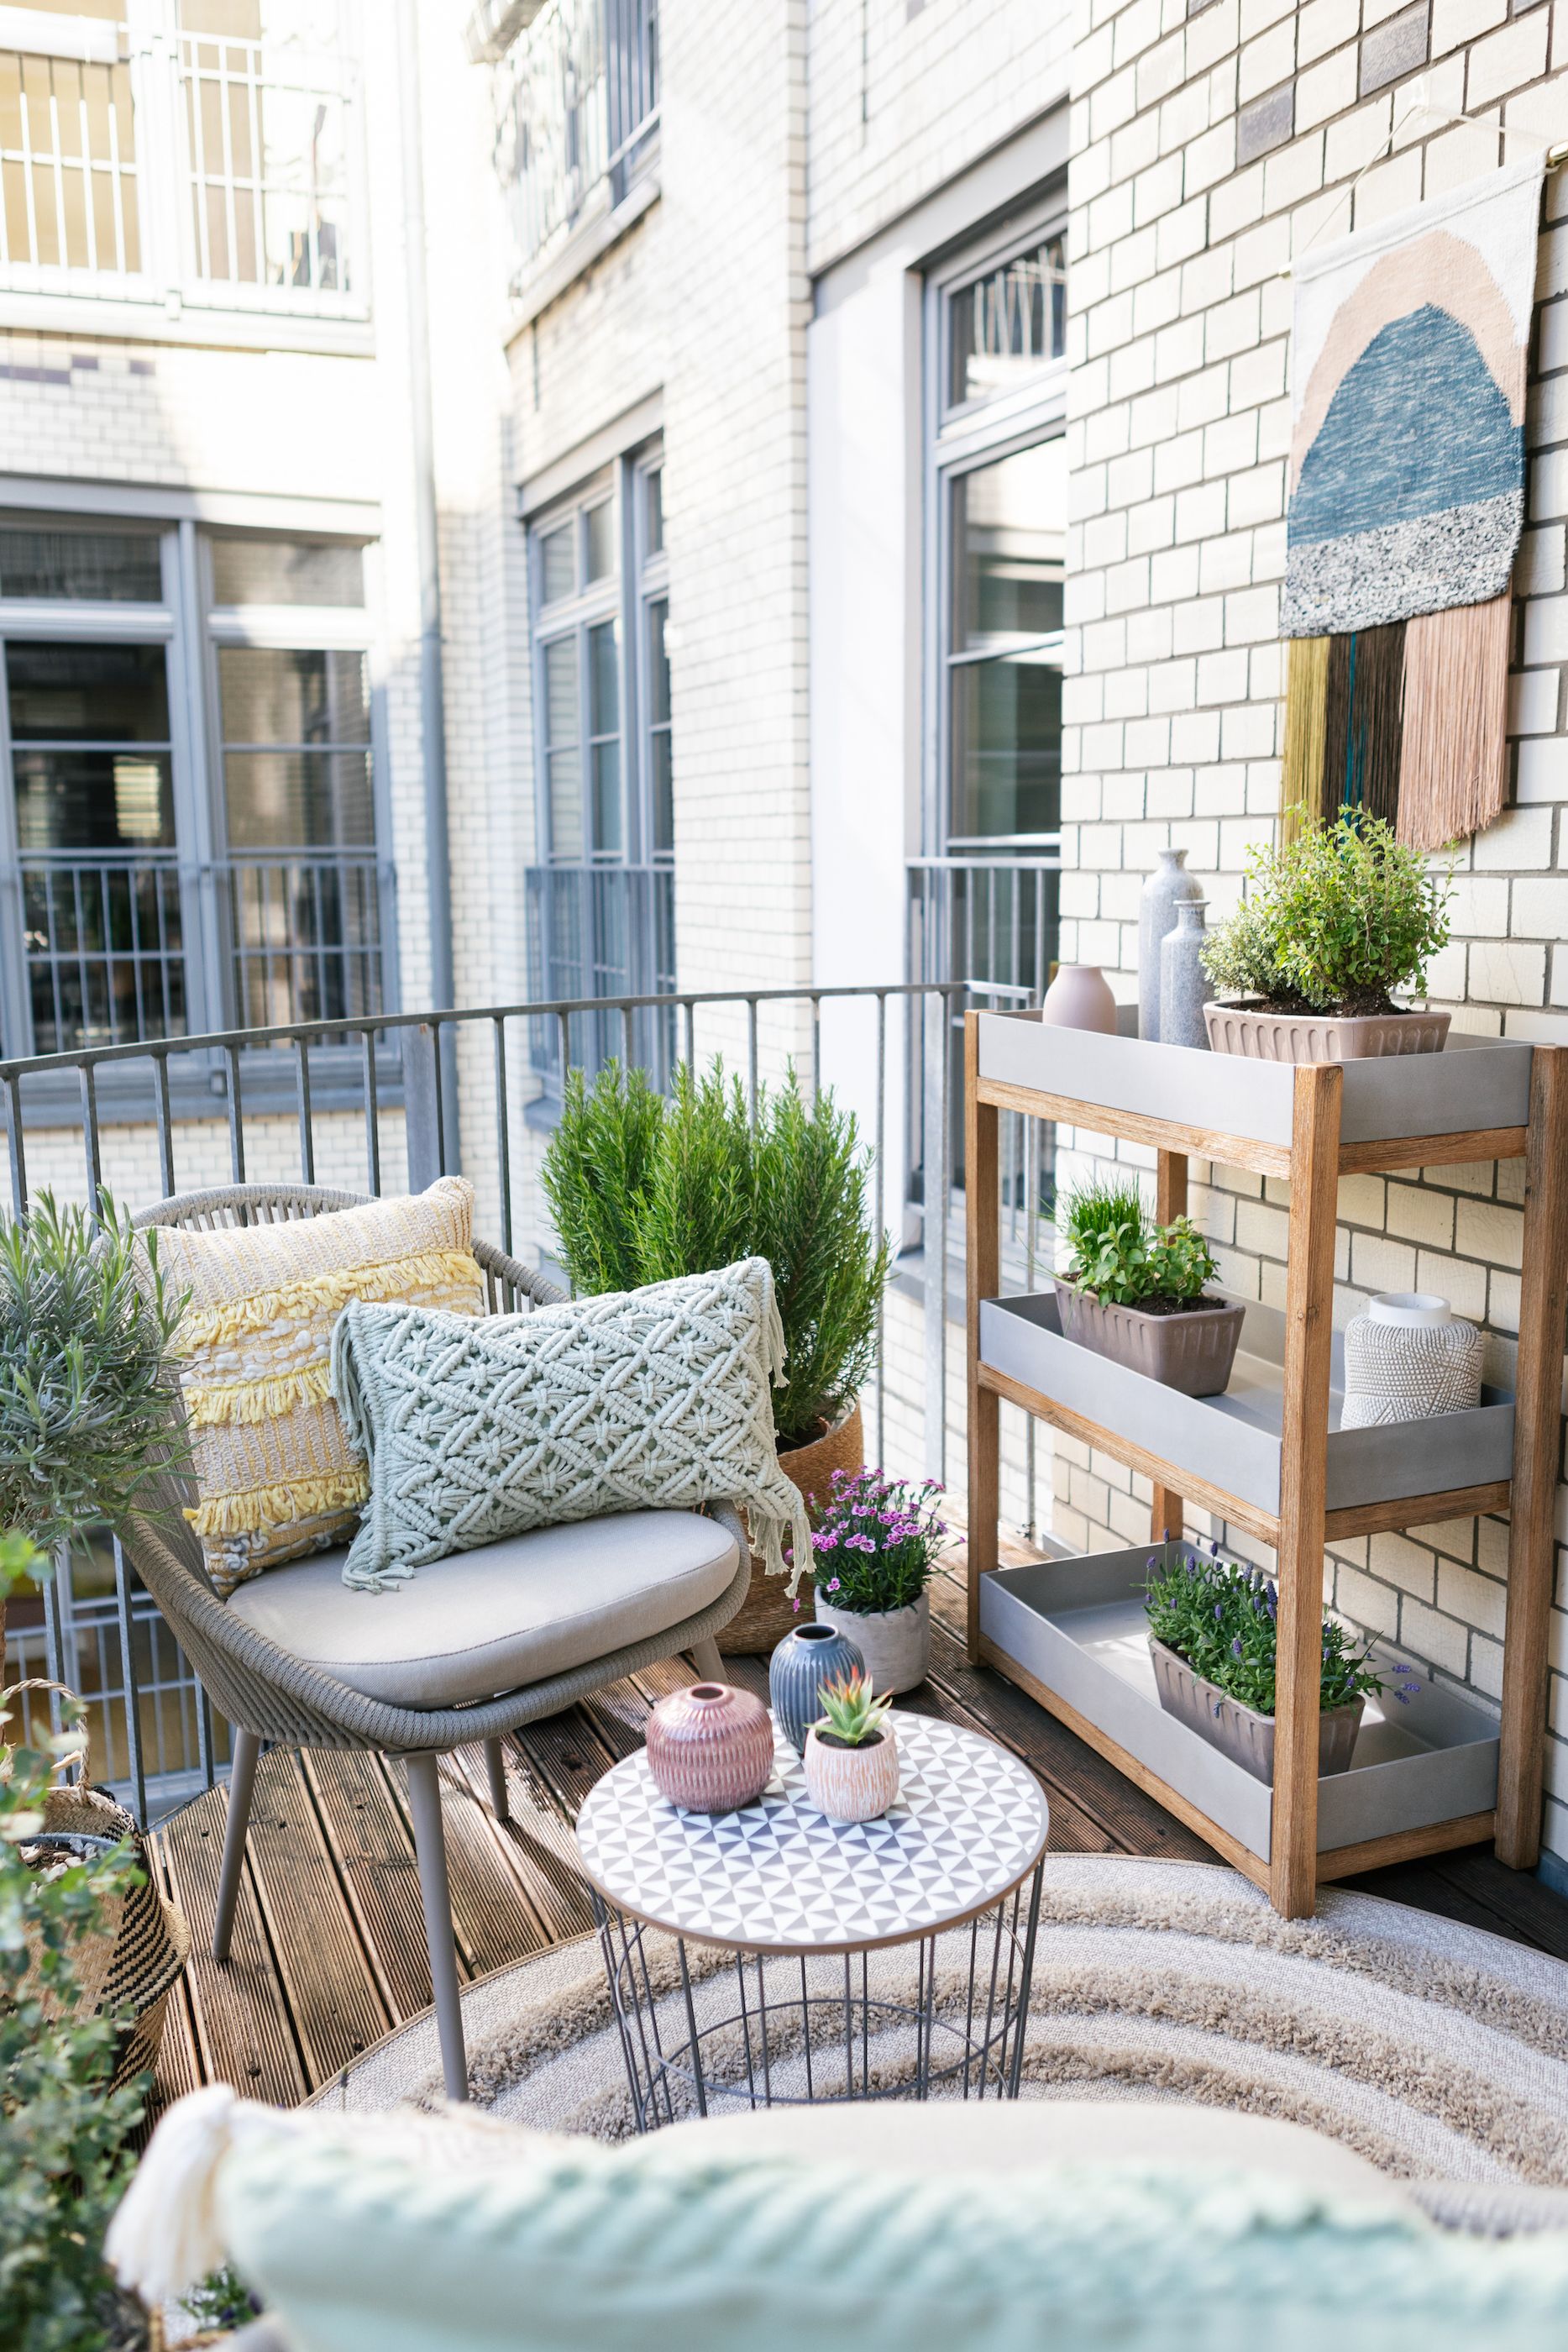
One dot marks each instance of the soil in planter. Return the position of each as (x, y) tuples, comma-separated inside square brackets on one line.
[(1361, 1004), (1166, 1305), (850, 1747)]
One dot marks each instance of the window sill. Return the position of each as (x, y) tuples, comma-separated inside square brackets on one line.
[(546, 283), (149, 319)]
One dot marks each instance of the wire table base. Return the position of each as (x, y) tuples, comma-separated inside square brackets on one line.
[(705, 2029)]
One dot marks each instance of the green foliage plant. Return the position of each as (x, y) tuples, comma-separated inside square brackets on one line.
[(1223, 1618), (64, 2161), (642, 1189), (852, 1712), (1120, 1257), (1334, 922), (876, 1541)]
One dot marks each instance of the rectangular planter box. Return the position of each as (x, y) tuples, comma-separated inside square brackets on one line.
[(1475, 1082), (1078, 1627), (1240, 1732), (1232, 1440), (1192, 1352)]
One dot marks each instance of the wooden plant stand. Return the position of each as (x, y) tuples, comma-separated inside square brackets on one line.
[(1303, 1124)]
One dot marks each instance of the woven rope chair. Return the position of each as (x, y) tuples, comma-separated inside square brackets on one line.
[(267, 1694)]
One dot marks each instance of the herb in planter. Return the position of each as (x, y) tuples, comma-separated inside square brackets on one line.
[(1334, 922), (1223, 1619), (1124, 1259), (876, 1541), (852, 1714)]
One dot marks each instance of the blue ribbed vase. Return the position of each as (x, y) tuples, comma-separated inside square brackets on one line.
[(808, 1657)]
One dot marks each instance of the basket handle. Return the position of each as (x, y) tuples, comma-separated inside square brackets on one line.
[(79, 1755)]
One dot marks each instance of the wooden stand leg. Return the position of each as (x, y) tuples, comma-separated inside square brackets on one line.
[(982, 1212), (1537, 1454), (1303, 1466), (1167, 1509)]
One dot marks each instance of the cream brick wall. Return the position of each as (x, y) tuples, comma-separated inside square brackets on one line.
[(1189, 195)]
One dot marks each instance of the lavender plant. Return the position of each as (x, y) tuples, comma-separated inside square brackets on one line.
[(876, 1541), (1223, 1618)]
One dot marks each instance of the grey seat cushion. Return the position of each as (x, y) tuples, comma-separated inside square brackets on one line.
[(480, 1623)]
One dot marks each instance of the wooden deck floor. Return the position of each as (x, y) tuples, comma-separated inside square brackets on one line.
[(329, 1948)]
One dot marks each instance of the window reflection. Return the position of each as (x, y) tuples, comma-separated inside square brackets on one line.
[(1005, 669)]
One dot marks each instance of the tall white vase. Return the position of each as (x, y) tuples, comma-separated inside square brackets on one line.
[(1161, 894)]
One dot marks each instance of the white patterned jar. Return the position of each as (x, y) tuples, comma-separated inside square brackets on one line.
[(1409, 1357)]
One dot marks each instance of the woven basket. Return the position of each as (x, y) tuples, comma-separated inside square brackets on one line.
[(767, 1613), (133, 1960)]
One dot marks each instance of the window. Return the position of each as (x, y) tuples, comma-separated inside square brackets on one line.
[(1008, 538), (601, 902), (1005, 325), (577, 110), (177, 877)]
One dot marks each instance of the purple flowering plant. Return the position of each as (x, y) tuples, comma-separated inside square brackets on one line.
[(1222, 1617), (876, 1540)]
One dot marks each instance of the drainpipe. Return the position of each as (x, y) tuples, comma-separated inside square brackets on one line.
[(432, 697)]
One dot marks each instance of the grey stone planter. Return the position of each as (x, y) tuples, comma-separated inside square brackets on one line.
[(1264, 1037), (1192, 1352), (1240, 1732), (895, 1642)]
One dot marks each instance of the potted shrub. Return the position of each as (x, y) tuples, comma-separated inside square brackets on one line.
[(1213, 1638), (1333, 924), (642, 1188), (1137, 1291), (876, 1545), (852, 1758)]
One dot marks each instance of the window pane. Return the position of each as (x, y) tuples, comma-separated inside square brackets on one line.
[(1007, 746), (557, 566), (1009, 543), (608, 837), (104, 954), (108, 566), (1007, 326), (604, 721), (603, 680), (297, 697), (300, 800), (600, 537), (653, 509), (564, 758), (252, 570), (88, 694), (93, 799), (661, 779)]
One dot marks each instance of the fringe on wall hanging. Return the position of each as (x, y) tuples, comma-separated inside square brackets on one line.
[(1407, 379), (1454, 777)]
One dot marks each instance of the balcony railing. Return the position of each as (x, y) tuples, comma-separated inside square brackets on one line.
[(99, 1629), (222, 172), (107, 942), (576, 100)]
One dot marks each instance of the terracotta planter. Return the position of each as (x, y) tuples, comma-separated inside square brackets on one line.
[(1266, 1036), (852, 1784), (710, 1748), (1240, 1732), (1192, 1352), (895, 1644), (767, 1614)]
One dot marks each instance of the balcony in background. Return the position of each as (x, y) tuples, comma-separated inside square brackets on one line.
[(577, 111)]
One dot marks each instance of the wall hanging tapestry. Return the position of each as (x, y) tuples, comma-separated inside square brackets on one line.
[(1407, 496)]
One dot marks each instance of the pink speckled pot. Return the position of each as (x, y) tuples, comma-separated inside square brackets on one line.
[(710, 1748), (852, 1784)]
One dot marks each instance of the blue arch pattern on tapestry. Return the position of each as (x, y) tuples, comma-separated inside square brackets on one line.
[(1417, 424)]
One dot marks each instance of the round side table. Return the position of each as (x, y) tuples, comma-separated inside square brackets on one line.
[(770, 1957)]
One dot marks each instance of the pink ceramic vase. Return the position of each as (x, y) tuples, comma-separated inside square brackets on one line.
[(852, 1784), (710, 1748), (1080, 998)]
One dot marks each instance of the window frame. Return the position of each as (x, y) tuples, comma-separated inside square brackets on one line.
[(191, 629)]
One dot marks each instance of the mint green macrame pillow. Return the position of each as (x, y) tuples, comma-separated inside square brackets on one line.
[(478, 1428)]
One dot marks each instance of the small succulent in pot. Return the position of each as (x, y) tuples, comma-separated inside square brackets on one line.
[(876, 1542), (1137, 1291), (852, 1756)]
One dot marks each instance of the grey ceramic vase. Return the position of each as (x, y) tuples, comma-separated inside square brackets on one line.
[(1164, 890), (808, 1657), (1184, 983)]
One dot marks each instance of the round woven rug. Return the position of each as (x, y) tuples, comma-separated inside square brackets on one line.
[(1438, 2051)]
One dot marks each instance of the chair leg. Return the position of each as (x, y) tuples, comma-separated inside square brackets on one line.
[(496, 1765), (429, 1847), (242, 1780), (705, 1657)]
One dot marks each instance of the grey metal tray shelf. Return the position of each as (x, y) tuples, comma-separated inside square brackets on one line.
[(1077, 1626), (1233, 1441)]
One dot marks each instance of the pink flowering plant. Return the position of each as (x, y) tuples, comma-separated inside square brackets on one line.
[(876, 1541)]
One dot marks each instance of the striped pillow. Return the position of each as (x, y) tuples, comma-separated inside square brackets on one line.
[(275, 1475)]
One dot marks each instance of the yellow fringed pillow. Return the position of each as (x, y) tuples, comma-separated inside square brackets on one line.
[(274, 1472)]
